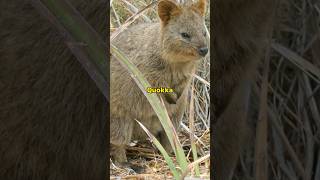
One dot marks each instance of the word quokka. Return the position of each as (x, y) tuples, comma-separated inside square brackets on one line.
[(159, 90)]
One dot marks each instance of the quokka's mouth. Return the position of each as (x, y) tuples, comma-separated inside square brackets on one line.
[(195, 55), (186, 55), (192, 55)]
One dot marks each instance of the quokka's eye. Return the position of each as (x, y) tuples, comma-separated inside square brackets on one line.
[(185, 35)]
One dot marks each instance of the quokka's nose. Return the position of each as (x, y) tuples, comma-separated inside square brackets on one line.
[(203, 51)]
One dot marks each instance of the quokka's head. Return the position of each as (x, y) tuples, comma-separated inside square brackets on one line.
[(183, 32)]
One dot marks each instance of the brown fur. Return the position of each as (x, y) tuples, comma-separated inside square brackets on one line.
[(52, 115), (240, 32), (166, 60)]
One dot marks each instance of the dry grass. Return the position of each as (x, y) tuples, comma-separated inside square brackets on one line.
[(130, 12), (293, 98)]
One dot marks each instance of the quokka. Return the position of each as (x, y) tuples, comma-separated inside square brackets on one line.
[(166, 53)]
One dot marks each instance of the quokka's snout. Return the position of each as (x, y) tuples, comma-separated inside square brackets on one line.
[(203, 51)]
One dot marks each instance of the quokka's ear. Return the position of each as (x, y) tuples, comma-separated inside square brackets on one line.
[(200, 7), (167, 9)]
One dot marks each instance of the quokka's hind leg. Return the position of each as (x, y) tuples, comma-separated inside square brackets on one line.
[(118, 154), (120, 136)]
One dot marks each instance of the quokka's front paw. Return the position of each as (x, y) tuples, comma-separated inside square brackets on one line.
[(171, 98)]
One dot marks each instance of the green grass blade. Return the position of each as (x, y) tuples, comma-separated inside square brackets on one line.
[(83, 41)]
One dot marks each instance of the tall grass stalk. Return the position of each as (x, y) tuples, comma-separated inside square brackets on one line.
[(192, 128)]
